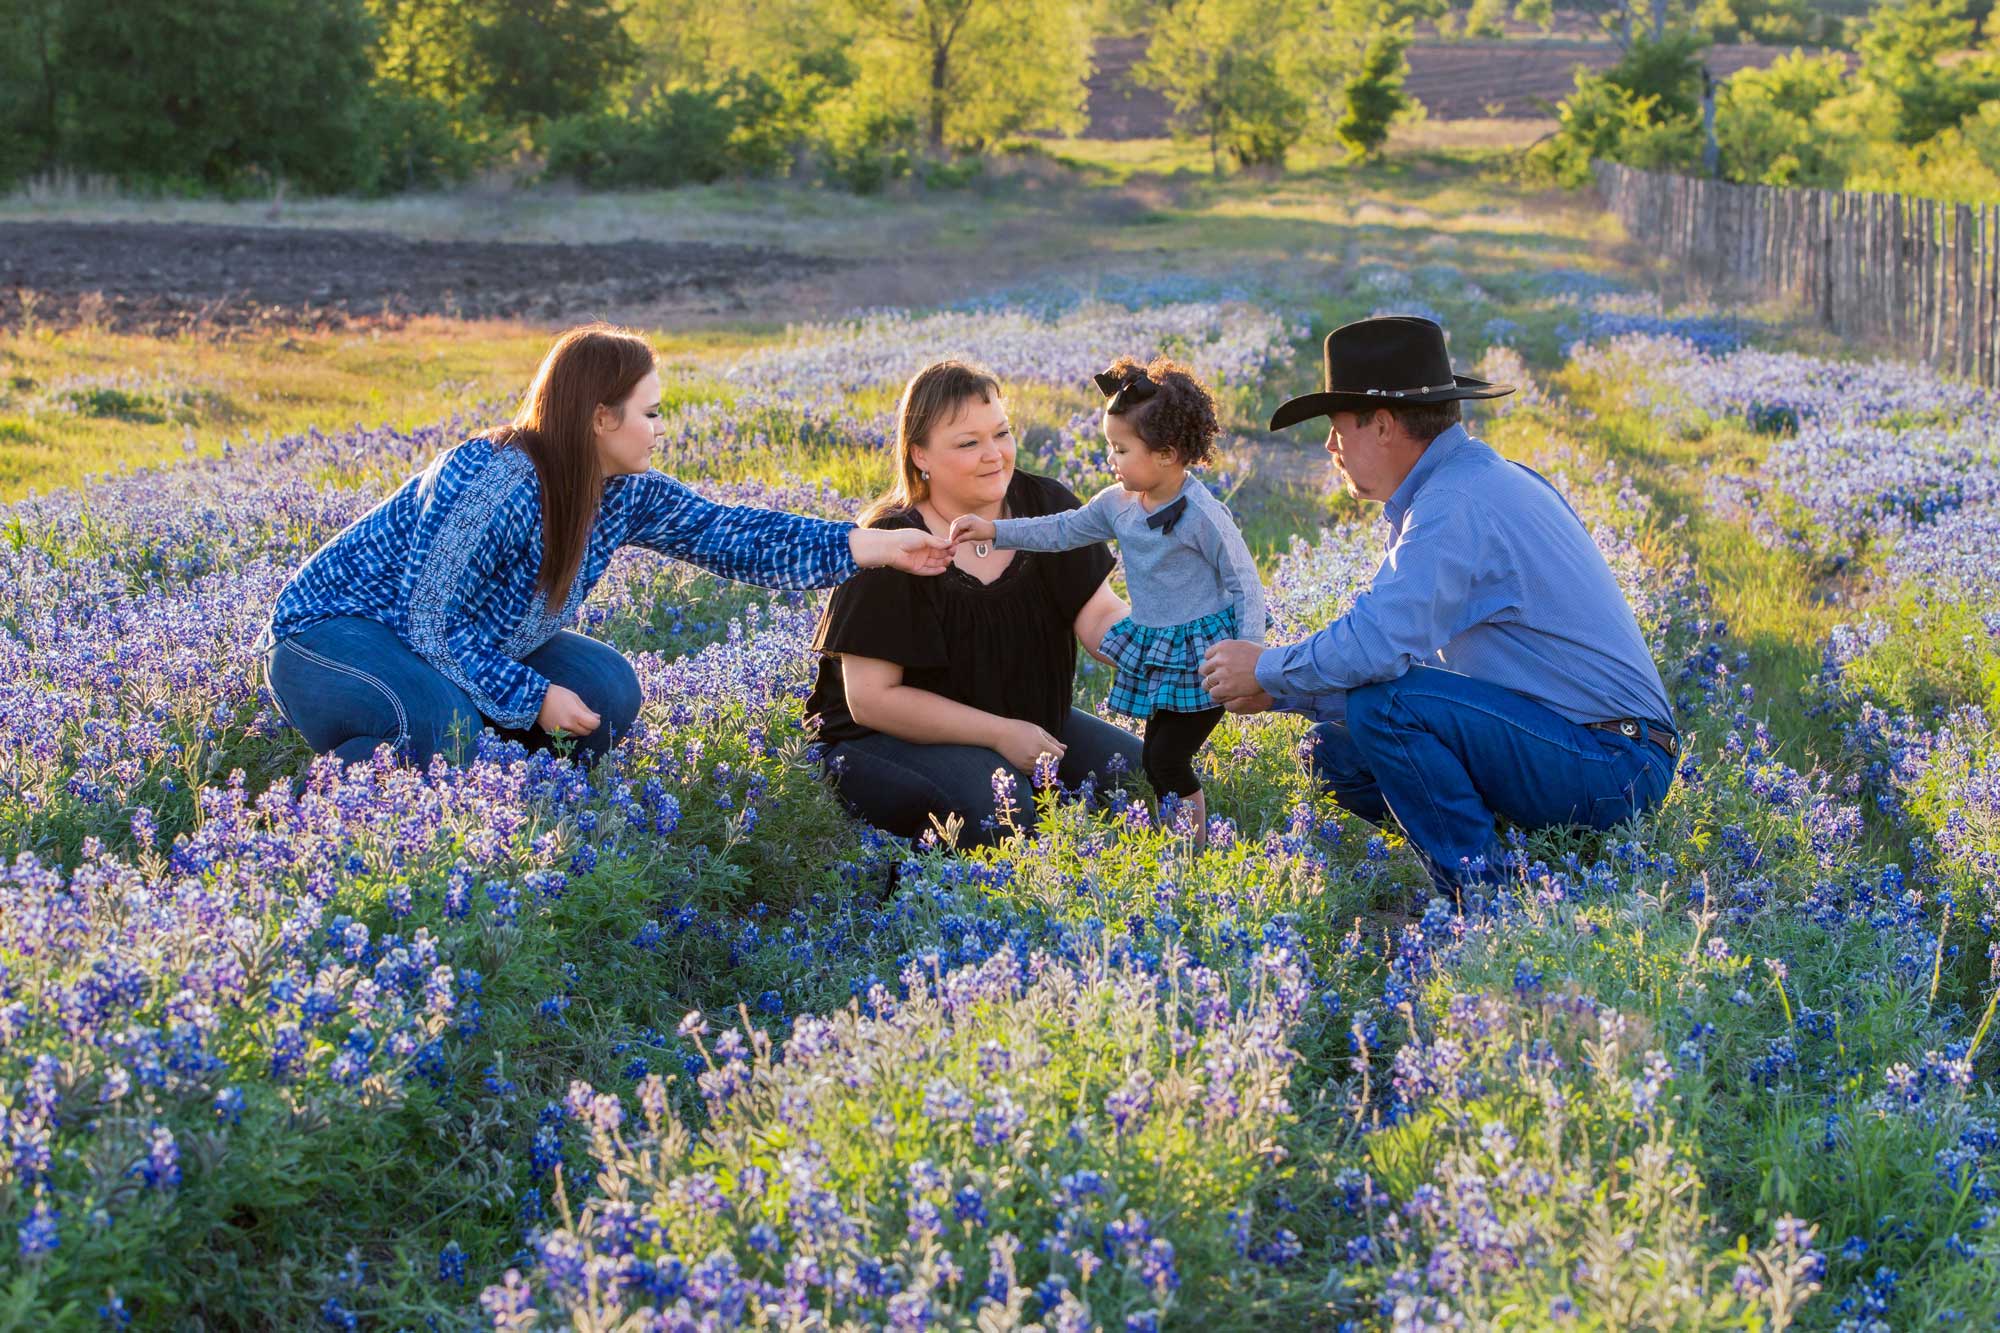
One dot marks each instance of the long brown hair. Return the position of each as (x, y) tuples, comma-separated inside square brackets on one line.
[(589, 366), (934, 394)]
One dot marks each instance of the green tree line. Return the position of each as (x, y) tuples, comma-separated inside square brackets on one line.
[(1913, 107), (371, 96)]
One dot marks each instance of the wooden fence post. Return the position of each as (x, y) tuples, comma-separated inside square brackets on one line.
[(1923, 275)]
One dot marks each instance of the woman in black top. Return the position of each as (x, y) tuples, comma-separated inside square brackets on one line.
[(927, 686)]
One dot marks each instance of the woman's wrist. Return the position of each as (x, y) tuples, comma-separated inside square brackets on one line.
[(993, 730)]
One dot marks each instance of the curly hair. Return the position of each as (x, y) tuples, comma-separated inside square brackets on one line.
[(1180, 418)]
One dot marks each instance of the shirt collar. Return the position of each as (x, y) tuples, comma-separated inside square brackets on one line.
[(1432, 458)]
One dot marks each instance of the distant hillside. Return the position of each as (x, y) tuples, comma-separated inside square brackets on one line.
[(1519, 77)]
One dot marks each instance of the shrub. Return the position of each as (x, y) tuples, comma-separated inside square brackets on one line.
[(681, 136)]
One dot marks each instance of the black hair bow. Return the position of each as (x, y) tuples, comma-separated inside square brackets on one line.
[(1134, 387)]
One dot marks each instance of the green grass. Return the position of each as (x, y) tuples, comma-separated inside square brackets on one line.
[(256, 387)]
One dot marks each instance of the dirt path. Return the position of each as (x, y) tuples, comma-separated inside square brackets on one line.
[(169, 277)]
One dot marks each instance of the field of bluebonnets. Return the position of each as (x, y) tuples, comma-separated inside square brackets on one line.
[(674, 1044)]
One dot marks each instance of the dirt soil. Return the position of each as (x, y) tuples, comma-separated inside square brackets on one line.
[(172, 277)]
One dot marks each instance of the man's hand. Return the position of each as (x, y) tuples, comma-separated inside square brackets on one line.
[(1229, 672), (907, 549)]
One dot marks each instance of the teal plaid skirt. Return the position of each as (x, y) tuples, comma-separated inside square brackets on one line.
[(1159, 667)]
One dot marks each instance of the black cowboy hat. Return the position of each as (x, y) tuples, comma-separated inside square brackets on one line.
[(1385, 361)]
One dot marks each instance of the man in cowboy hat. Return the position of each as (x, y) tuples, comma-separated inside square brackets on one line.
[(1493, 667)]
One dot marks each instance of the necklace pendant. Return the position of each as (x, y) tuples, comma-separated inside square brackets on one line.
[(982, 549)]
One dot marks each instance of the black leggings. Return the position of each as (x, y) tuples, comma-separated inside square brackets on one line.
[(1172, 741)]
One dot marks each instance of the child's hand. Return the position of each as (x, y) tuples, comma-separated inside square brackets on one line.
[(971, 528)]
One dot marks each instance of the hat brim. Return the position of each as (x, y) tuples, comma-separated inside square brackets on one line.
[(1309, 405)]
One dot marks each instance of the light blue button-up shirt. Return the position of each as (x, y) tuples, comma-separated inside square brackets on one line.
[(1491, 574)]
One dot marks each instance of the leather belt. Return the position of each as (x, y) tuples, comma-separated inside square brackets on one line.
[(1634, 727)]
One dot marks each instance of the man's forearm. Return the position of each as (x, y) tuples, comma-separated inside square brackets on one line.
[(1328, 707)]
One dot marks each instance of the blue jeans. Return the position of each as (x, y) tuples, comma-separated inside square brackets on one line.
[(897, 785), (1445, 754), (349, 684)]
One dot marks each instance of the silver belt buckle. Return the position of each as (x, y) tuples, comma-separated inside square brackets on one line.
[(1629, 728)]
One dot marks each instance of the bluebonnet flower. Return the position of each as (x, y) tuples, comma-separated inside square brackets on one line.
[(39, 1235)]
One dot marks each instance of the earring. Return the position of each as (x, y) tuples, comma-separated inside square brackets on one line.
[(925, 475)]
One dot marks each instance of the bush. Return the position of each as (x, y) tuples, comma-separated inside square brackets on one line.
[(413, 142), (747, 125), (1644, 111), (1766, 128), (1597, 120), (679, 137)]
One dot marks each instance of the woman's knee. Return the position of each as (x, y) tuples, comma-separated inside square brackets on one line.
[(899, 786), (442, 719), (1095, 749), (618, 698), (601, 676), (341, 701)]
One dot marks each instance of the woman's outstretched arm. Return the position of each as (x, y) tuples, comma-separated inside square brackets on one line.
[(766, 546)]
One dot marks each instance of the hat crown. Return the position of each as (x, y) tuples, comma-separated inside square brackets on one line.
[(1385, 354)]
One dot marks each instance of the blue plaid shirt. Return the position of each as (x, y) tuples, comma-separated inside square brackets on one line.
[(449, 562), (1491, 574)]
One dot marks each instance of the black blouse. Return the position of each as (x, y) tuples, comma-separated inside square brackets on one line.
[(1007, 647)]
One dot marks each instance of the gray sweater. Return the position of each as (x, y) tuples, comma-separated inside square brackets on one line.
[(1173, 577)]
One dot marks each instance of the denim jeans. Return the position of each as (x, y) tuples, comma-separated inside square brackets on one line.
[(897, 785), (1445, 754), (349, 684)]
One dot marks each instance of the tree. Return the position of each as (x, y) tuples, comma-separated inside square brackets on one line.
[(1349, 53), (1644, 111), (1779, 22), (1900, 57), (1629, 21), (1483, 19), (1219, 65), (424, 49), (494, 65), (227, 93), (547, 58), (1375, 95), (974, 71), (30, 86), (1766, 122)]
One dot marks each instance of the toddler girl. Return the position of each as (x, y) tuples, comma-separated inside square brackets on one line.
[(1188, 574)]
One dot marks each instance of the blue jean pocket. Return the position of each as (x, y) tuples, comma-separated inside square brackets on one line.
[(1639, 794)]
